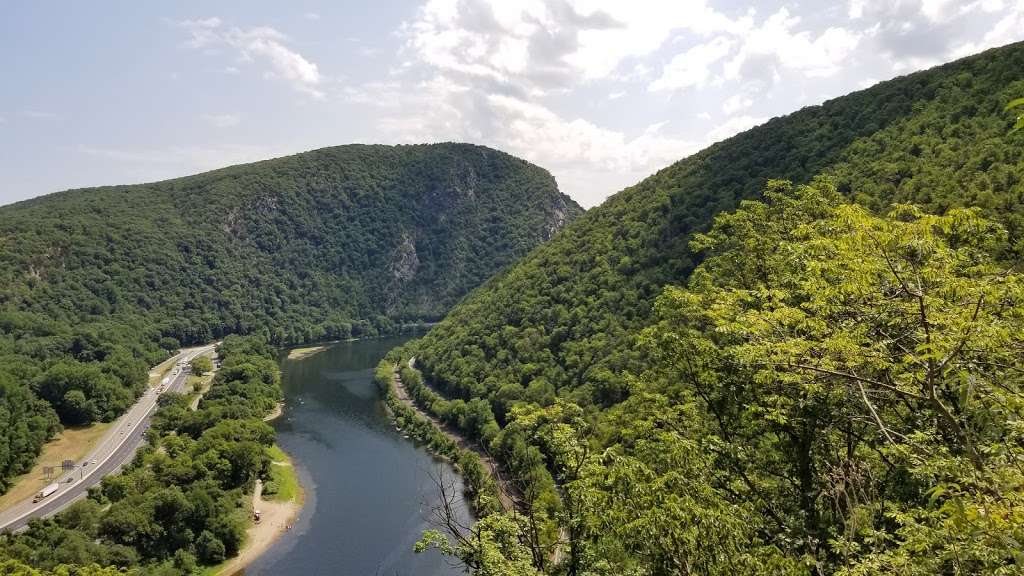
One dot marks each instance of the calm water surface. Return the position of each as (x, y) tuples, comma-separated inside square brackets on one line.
[(369, 491)]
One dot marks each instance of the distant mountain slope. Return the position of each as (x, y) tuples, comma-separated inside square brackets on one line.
[(333, 243), (563, 318), (297, 244)]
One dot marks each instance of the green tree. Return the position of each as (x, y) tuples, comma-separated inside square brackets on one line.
[(209, 549), (879, 356), (201, 365), (76, 409), (1019, 121)]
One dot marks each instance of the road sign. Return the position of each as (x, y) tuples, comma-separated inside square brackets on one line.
[(48, 472), (68, 465)]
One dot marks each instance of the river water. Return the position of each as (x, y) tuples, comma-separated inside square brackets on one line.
[(369, 491)]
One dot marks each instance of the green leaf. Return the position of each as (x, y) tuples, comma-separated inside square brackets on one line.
[(1014, 104)]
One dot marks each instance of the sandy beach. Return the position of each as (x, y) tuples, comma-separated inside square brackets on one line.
[(276, 517)]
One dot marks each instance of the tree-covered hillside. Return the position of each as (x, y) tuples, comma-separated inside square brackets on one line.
[(835, 391), (317, 244), (98, 284), (562, 319)]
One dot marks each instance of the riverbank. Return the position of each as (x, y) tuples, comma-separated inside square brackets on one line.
[(278, 512), (275, 413), (300, 353), (402, 395)]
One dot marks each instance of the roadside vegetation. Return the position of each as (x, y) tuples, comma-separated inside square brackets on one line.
[(182, 502), (200, 365), (70, 444)]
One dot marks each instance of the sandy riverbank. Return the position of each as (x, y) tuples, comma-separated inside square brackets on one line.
[(275, 413), (300, 353), (276, 518), (277, 515)]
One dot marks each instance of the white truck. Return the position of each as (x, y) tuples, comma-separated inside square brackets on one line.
[(50, 489)]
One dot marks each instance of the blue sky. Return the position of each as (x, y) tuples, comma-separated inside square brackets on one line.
[(600, 92)]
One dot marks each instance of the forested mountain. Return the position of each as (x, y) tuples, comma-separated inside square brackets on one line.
[(98, 284), (770, 414), (563, 316)]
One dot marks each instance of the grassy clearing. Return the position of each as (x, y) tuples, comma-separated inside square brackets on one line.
[(283, 474), (71, 444)]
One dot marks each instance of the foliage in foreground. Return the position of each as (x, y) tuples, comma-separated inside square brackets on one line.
[(182, 502), (834, 392)]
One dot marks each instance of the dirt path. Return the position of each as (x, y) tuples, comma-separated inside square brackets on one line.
[(275, 519), (505, 491)]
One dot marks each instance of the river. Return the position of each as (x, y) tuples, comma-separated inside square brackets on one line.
[(369, 491)]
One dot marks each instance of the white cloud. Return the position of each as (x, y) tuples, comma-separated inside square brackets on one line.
[(551, 43), (586, 158), (1009, 28), (867, 83), (855, 9), (643, 26), (311, 16), (735, 103), (528, 76), (171, 161), (260, 44), (543, 136), (693, 67), (222, 120), (761, 49), (776, 41), (937, 10)]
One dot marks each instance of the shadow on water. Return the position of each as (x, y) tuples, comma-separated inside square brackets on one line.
[(369, 491)]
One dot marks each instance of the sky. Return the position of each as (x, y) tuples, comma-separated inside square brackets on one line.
[(600, 92)]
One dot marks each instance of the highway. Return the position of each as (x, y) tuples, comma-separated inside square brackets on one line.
[(115, 449)]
